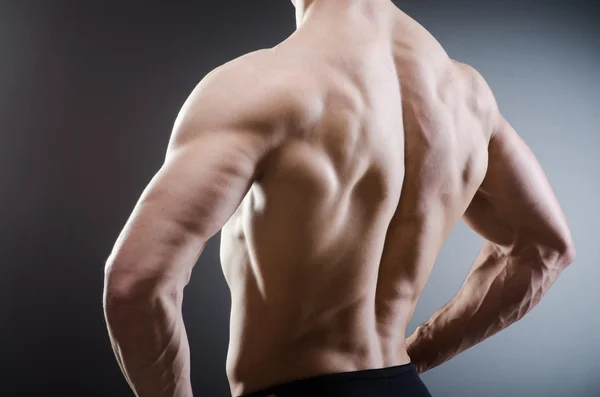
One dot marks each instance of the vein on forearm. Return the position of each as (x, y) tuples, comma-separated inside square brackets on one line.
[(150, 343)]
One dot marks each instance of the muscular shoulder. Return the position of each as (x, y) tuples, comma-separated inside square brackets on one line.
[(479, 94), (246, 94), (474, 80)]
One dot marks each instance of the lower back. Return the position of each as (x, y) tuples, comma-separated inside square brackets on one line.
[(267, 349)]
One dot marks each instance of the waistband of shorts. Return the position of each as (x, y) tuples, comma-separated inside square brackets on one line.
[(378, 373)]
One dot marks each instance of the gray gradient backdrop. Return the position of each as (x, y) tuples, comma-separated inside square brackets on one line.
[(88, 94)]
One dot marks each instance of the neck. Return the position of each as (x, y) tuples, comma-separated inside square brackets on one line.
[(308, 9)]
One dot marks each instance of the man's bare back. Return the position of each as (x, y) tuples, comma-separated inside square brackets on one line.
[(340, 161)]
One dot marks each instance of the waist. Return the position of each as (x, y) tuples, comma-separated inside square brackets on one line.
[(251, 369), (283, 341)]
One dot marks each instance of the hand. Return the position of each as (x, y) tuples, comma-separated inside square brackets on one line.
[(410, 343)]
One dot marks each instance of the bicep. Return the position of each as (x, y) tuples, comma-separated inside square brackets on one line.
[(515, 200), (190, 198)]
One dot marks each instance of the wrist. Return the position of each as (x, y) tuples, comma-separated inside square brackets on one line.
[(414, 348)]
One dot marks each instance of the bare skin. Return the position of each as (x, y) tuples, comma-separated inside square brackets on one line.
[(336, 164)]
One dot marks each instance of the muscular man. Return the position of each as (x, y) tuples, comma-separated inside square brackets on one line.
[(336, 164)]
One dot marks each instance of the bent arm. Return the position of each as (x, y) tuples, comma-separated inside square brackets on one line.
[(212, 159), (187, 202), (528, 245)]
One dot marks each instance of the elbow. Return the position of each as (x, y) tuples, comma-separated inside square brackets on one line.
[(553, 255), (567, 252), (125, 288), (122, 293), (562, 252)]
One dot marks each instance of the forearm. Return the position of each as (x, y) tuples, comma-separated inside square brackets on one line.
[(500, 289), (151, 346)]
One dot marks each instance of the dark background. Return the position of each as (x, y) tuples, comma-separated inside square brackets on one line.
[(89, 91)]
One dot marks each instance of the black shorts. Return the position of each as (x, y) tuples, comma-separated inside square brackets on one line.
[(399, 381)]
